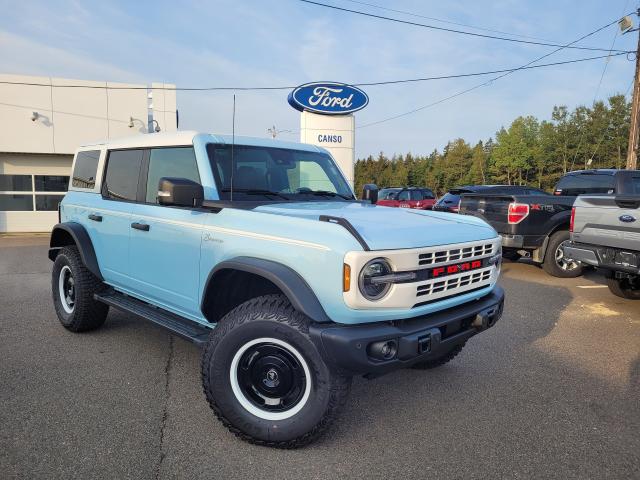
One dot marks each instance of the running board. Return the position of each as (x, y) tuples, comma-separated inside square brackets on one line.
[(180, 326)]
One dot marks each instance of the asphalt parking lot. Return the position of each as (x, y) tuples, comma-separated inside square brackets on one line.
[(553, 391)]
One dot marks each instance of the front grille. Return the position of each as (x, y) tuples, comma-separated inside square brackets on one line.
[(453, 283), (455, 254)]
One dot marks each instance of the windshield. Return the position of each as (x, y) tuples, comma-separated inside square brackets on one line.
[(266, 173)]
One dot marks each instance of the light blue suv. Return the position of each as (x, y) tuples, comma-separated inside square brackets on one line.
[(258, 251)]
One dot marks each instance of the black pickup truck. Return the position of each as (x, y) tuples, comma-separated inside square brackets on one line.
[(537, 226)]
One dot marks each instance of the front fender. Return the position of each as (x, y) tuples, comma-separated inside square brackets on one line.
[(292, 285)]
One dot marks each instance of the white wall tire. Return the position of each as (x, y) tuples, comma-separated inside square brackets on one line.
[(245, 335)]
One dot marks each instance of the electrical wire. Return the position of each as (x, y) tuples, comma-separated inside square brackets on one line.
[(451, 30), (488, 82), (449, 22), (362, 84)]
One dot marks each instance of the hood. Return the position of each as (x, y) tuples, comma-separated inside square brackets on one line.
[(386, 228)]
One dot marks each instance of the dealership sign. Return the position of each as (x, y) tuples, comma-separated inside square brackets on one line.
[(328, 98)]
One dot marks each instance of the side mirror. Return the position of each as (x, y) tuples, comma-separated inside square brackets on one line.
[(370, 192), (180, 192)]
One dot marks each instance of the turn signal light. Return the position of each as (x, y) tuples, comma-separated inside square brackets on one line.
[(346, 278), (517, 212)]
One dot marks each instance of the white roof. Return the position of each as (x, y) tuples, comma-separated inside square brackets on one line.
[(185, 137)]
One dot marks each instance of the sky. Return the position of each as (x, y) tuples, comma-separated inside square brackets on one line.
[(287, 42)]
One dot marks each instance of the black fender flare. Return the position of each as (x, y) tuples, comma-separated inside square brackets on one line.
[(292, 285), (80, 237)]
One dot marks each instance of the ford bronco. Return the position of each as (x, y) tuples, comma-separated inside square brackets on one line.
[(258, 251)]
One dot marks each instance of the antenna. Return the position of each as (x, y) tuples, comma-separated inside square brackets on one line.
[(233, 142)]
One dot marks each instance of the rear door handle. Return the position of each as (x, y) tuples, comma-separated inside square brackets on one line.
[(95, 218), (140, 226)]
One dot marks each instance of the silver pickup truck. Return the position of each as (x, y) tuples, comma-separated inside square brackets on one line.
[(605, 233)]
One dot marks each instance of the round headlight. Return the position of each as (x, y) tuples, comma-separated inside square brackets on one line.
[(371, 288)]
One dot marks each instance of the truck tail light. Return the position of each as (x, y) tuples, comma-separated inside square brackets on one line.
[(573, 218), (517, 212)]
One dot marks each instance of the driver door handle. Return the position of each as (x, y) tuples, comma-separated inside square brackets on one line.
[(140, 226)]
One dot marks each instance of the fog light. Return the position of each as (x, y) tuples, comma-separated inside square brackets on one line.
[(384, 350)]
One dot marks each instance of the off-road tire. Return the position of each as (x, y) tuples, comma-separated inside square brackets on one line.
[(621, 287), (439, 360), (550, 263), (273, 317), (87, 313)]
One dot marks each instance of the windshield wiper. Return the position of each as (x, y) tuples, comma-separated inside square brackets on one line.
[(327, 193), (257, 191)]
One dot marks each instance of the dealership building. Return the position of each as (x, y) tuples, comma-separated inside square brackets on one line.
[(43, 120)]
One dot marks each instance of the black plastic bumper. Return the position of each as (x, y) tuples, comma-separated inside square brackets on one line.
[(522, 242), (355, 349), (609, 258)]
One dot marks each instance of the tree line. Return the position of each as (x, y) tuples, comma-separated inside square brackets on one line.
[(527, 152)]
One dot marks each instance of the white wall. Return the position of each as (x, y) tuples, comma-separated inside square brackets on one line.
[(69, 117), (336, 133), (164, 106)]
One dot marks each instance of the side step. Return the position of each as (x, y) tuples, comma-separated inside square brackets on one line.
[(180, 326)]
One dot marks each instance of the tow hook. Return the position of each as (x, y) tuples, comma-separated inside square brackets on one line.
[(486, 319)]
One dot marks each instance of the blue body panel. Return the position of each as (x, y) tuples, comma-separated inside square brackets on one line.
[(168, 265)]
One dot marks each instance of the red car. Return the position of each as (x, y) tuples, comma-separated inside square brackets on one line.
[(410, 197)]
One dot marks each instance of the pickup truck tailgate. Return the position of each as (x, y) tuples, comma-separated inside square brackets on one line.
[(608, 221), (493, 209)]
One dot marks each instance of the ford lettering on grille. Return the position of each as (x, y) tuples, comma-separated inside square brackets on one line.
[(456, 268)]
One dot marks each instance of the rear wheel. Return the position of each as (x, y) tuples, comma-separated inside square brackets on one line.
[(441, 359), (624, 287), (555, 263), (73, 287), (265, 379)]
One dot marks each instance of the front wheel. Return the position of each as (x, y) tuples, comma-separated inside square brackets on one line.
[(555, 263), (265, 379), (624, 287)]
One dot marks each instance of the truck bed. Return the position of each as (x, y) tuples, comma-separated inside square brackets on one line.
[(546, 214)]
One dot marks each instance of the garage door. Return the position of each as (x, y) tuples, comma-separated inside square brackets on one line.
[(29, 197)]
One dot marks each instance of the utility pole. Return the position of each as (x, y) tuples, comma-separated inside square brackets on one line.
[(634, 130)]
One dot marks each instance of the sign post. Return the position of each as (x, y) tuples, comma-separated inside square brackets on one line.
[(327, 119)]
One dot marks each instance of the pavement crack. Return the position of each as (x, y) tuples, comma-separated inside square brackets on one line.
[(165, 408)]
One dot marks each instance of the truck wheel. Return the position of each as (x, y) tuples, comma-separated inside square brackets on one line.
[(73, 286), (624, 287), (555, 263), (265, 379), (440, 359)]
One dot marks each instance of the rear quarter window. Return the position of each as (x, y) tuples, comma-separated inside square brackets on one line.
[(85, 169)]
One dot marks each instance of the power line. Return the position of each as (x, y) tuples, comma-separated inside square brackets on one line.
[(489, 72), (412, 14), (363, 84), (475, 87), (451, 30)]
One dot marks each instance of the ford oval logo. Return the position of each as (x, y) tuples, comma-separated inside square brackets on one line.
[(627, 218), (328, 98)]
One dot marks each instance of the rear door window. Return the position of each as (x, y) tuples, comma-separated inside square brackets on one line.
[(85, 168), (404, 195), (122, 175), (586, 183)]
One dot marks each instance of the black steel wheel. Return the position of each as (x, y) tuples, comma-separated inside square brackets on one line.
[(266, 380)]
